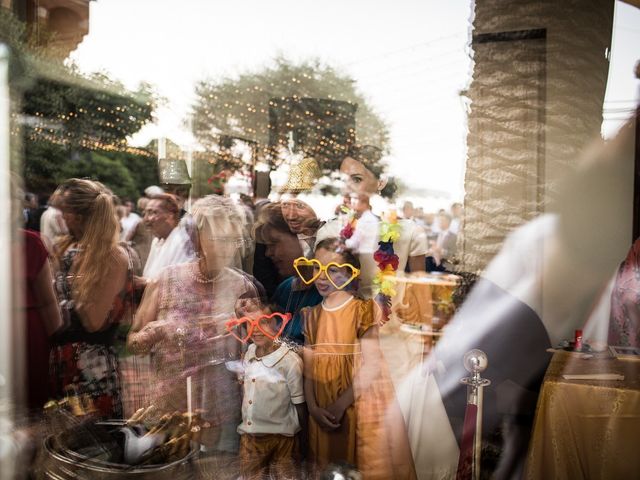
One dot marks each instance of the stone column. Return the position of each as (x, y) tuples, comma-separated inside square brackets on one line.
[(536, 102)]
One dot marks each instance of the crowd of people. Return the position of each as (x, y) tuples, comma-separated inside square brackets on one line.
[(280, 331), (261, 318)]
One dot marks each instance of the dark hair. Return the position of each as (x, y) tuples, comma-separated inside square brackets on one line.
[(369, 155), (390, 189), (334, 244), (270, 219), (261, 302)]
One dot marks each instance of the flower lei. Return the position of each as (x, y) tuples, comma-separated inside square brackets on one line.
[(350, 227), (387, 260)]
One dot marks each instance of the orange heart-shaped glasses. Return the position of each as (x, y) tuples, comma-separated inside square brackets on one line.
[(310, 269), (235, 326)]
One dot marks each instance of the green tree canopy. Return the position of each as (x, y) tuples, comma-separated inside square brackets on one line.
[(240, 106)]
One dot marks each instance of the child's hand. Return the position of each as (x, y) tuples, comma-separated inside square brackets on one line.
[(337, 410), (324, 418)]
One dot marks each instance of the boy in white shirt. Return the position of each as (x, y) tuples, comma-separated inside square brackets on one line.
[(273, 408)]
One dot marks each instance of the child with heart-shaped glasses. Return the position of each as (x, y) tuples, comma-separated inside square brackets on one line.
[(273, 410), (347, 386), (338, 274), (260, 328)]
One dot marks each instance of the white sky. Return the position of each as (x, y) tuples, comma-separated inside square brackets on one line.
[(409, 58)]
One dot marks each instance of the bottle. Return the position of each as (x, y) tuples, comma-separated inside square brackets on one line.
[(578, 341)]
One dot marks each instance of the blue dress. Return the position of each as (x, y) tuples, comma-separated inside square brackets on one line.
[(291, 296)]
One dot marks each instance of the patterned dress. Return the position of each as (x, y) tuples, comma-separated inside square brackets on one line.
[(194, 346), (86, 363)]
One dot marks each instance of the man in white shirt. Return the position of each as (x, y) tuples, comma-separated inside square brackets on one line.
[(129, 221), (365, 236), (171, 244)]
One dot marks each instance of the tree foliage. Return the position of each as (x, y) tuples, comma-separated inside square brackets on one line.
[(239, 106), (73, 124), (78, 126)]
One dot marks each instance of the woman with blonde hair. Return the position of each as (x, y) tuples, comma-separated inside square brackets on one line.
[(182, 318), (94, 284)]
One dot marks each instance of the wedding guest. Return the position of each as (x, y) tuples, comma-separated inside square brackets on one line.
[(52, 226), (140, 236), (181, 322), (171, 244), (95, 288), (276, 248), (273, 408), (364, 174), (302, 220), (129, 220), (457, 213), (624, 323), (444, 247), (354, 417)]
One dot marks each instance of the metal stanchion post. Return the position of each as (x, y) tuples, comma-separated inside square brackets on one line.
[(475, 361)]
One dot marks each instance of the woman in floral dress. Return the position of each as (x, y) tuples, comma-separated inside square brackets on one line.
[(94, 284)]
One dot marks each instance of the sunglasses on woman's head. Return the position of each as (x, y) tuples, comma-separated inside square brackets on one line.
[(339, 274)]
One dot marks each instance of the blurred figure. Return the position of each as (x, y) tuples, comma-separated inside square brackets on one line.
[(129, 220), (39, 305), (95, 289), (430, 225), (175, 180), (171, 244), (457, 213), (302, 221), (408, 210), (363, 174), (140, 236), (43, 319), (245, 254), (365, 235), (418, 216), (181, 322), (624, 323), (444, 247), (121, 211), (52, 226), (535, 293), (276, 248), (345, 206), (30, 211)]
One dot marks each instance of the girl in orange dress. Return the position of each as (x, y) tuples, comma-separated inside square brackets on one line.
[(354, 417)]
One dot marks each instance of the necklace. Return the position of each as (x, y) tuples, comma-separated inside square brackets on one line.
[(198, 276)]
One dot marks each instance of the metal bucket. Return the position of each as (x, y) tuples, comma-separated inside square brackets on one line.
[(65, 464)]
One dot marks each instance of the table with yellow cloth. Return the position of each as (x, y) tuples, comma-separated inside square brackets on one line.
[(587, 428)]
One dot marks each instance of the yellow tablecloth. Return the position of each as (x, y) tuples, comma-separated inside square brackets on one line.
[(587, 428)]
